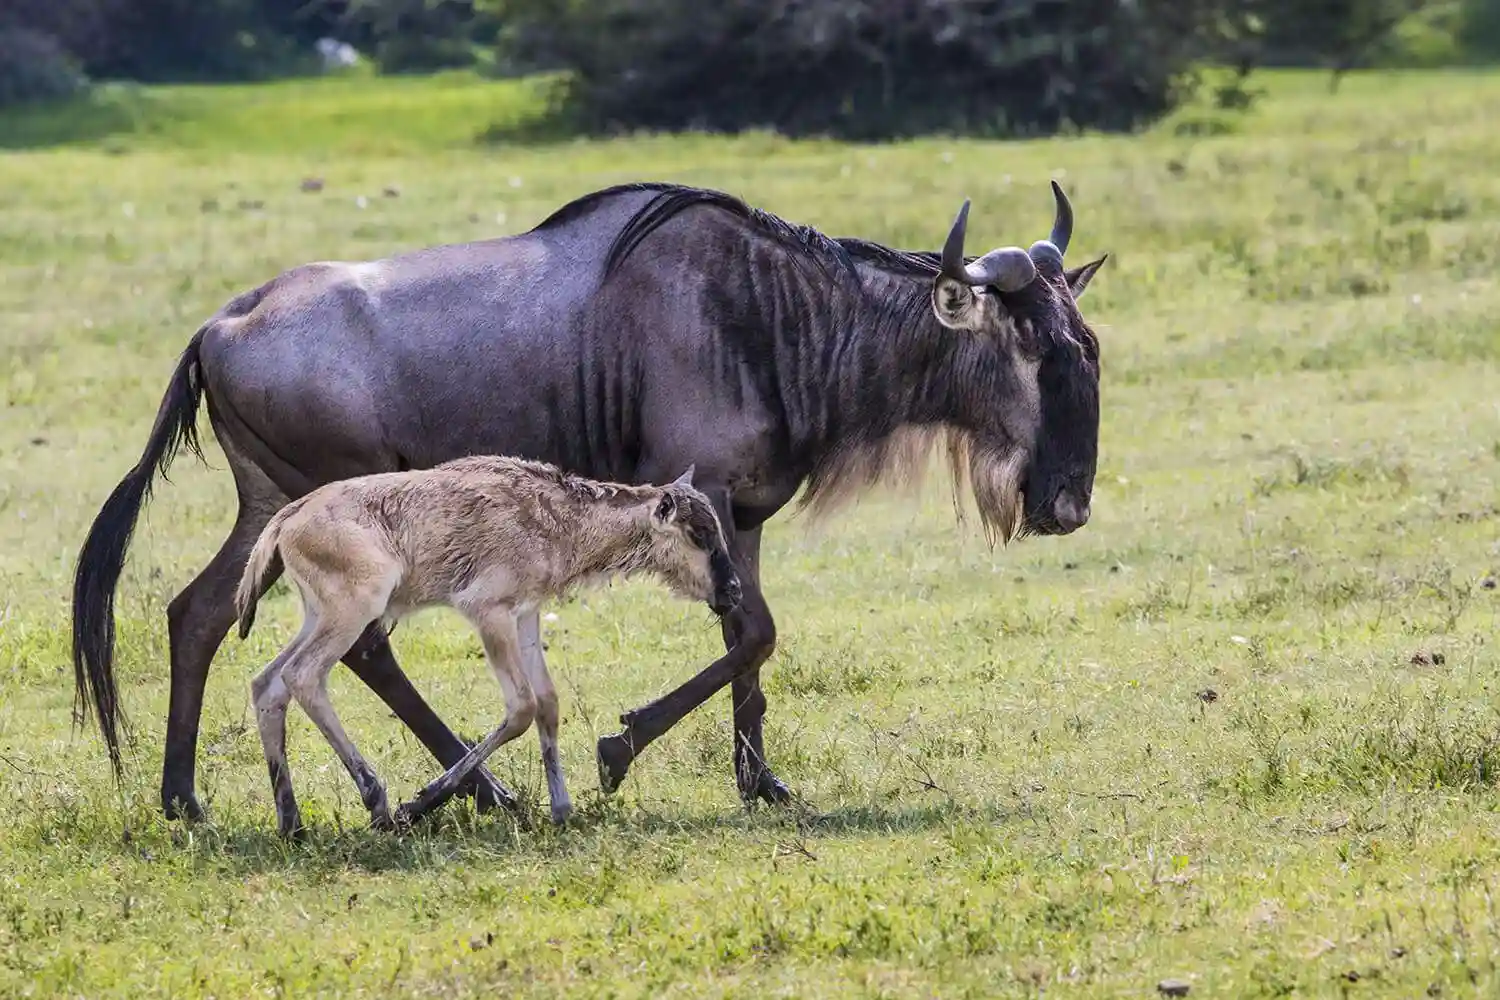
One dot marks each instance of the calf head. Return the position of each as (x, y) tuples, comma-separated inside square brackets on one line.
[(688, 548), (1030, 374)]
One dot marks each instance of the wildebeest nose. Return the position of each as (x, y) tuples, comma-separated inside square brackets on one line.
[(1070, 512)]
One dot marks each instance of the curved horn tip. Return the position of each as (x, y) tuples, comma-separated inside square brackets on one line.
[(953, 247), (1062, 224), (961, 220)]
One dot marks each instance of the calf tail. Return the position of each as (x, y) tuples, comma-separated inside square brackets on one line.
[(261, 570)]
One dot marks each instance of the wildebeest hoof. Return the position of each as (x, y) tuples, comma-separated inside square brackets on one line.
[(382, 820), (293, 829), (404, 819), (560, 814), (176, 805), (614, 754), (489, 794), (766, 787)]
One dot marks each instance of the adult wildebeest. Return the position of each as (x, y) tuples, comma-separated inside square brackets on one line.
[(489, 536), (633, 332)]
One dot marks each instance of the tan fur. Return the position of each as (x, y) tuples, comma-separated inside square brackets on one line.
[(905, 458), (492, 537)]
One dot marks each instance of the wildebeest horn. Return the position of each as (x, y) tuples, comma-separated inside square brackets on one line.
[(953, 250), (1062, 224), (1008, 268)]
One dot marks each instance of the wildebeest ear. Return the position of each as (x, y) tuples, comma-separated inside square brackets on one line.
[(1078, 277), (955, 303), (686, 479), (666, 509)]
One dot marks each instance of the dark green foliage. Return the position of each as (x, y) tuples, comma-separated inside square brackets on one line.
[(80, 27), (167, 40), (1480, 27), (419, 36), (872, 68), (857, 68), (34, 67), (1336, 34)]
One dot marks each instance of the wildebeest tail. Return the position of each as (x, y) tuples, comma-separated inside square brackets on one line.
[(262, 568), (101, 560)]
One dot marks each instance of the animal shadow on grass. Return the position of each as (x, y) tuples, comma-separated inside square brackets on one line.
[(243, 843)]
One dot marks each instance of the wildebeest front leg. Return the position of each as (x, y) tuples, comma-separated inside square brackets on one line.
[(373, 661), (645, 724), (751, 625), (750, 636), (502, 647)]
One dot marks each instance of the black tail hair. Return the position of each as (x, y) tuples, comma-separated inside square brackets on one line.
[(102, 558)]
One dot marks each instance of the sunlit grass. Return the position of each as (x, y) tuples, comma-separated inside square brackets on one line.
[(1241, 730)]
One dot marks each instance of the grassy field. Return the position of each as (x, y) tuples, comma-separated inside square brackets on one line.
[(1242, 730)]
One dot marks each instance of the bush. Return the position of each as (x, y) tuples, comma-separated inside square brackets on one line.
[(871, 68), (1480, 27), (35, 67), (419, 36)]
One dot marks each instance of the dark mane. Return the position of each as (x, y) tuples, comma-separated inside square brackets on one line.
[(917, 263), (673, 199)]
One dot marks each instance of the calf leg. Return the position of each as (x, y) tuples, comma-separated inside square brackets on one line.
[(502, 648), (373, 662), (271, 696), (535, 666), (306, 674), (199, 617)]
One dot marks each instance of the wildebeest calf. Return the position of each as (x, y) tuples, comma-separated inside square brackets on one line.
[(491, 537)]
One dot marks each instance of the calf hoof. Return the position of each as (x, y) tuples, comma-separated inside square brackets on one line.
[(614, 754)]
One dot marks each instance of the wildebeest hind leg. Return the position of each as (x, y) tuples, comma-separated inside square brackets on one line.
[(373, 661), (751, 624), (197, 620)]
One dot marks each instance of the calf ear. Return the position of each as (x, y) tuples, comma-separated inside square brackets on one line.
[(665, 511), (686, 479), (1079, 277), (955, 303)]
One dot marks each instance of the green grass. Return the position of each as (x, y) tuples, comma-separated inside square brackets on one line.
[(1013, 779)]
